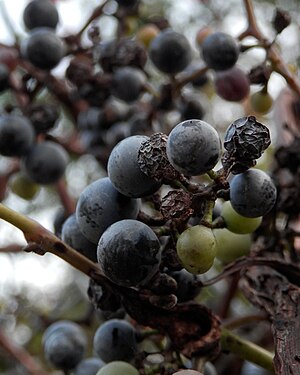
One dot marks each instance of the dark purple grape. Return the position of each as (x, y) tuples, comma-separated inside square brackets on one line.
[(191, 108), (188, 285), (232, 84), (100, 205), (124, 170), (129, 253), (128, 83), (60, 216), (170, 51), (252, 193), (73, 237), (91, 119), (115, 340), (88, 366), (220, 51), (4, 77), (16, 135), (193, 147), (45, 163), (43, 116), (43, 48), (64, 344), (40, 13)]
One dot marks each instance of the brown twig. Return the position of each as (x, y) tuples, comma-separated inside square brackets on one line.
[(21, 355)]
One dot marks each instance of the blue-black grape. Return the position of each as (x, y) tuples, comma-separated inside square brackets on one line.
[(128, 83), (188, 285), (45, 163), (220, 51), (16, 135), (88, 366), (43, 48), (64, 344), (170, 51), (129, 252), (72, 236), (124, 170), (232, 84), (193, 147), (40, 13), (43, 116), (99, 205), (114, 340), (252, 193)]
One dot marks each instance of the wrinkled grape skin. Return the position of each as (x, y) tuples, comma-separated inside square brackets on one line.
[(220, 51), (170, 51), (64, 344), (16, 135), (115, 340), (99, 205), (118, 368), (73, 237), (129, 253), (232, 85), (128, 83), (43, 48), (252, 193), (193, 147), (40, 13), (124, 171), (88, 366), (45, 163)]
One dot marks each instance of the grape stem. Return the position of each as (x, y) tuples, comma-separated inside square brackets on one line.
[(246, 350)]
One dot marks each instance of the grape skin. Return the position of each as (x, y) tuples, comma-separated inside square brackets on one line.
[(193, 147), (99, 205), (128, 83), (129, 253), (40, 13), (252, 193), (115, 340), (73, 237), (88, 366), (124, 171), (118, 368), (45, 163)]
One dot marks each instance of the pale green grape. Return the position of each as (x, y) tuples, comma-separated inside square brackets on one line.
[(118, 368), (237, 223), (196, 249)]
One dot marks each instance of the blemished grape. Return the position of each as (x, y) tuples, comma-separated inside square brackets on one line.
[(43, 48), (115, 340), (73, 237), (232, 85), (118, 368), (170, 51), (261, 102), (220, 51), (128, 83), (237, 223), (40, 13), (129, 252), (22, 186), (99, 205), (230, 246), (252, 193), (124, 170), (88, 366), (196, 249), (193, 147), (16, 135), (45, 163), (64, 343)]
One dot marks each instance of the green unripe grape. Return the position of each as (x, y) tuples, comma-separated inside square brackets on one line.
[(23, 186), (118, 368), (237, 223), (261, 102), (196, 249), (230, 246), (187, 372)]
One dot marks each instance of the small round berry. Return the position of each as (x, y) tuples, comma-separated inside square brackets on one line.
[(40, 13), (193, 147), (220, 51), (128, 83), (118, 368)]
